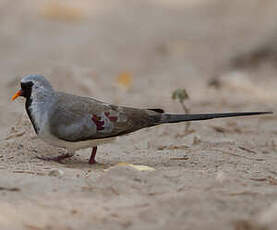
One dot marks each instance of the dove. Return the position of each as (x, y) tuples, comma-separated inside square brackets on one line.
[(75, 122)]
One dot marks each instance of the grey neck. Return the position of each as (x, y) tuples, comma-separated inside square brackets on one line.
[(38, 107)]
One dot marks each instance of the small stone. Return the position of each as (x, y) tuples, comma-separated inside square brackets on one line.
[(196, 140), (56, 172)]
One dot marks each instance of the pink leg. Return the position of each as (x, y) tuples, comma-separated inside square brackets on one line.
[(92, 156)]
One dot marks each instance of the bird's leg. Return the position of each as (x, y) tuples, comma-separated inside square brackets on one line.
[(92, 156), (57, 158)]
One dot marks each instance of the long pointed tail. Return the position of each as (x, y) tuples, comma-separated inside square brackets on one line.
[(174, 118)]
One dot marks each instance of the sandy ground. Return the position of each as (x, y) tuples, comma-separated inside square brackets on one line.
[(221, 175)]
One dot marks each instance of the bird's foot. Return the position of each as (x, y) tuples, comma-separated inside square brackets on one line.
[(92, 162), (57, 158)]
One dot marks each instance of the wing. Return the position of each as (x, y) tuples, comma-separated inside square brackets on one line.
[(81, 118)]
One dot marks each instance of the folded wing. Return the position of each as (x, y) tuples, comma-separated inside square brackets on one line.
[(81, 118)]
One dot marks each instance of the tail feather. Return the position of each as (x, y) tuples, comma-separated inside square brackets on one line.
[(175, 118)]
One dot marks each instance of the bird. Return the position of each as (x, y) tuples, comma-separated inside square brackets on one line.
[(74, 122)]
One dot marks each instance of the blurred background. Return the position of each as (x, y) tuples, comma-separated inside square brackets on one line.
[(136, 53)]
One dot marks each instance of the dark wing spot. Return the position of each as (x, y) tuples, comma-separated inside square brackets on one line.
[(111, 118), (97, 120), (157, 110)]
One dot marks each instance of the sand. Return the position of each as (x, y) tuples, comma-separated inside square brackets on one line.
[(222, 174)]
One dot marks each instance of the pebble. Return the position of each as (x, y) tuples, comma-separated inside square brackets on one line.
[(196, 140), (56, 172)]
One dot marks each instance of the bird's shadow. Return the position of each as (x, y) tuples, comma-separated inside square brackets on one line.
[(77, 163), (82, 164)]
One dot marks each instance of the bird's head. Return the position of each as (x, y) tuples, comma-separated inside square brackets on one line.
[(33, 84)]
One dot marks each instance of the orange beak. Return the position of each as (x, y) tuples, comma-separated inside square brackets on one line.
[(18, 93)]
